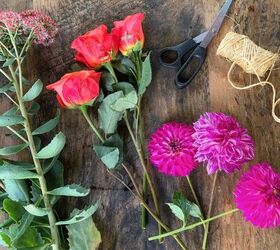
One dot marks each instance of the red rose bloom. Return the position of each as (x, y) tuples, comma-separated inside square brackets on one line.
[(77, 88), (130, 32), (96, 47)]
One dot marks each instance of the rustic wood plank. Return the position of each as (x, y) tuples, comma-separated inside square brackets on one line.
[(167, 22)]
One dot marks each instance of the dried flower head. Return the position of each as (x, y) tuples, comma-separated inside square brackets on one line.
[(257, 195), (11, 19), (222, 144), (44, 27), (171, 149)]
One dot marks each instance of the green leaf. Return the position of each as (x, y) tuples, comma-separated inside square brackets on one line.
[(9, 120), (10, 150), (9, 171), (125, 87), (107, 80), (111, 151), (5, 88), (17, 190), (14, 209), (29, 240), (24, 225), (83, 235), (5, 240), (34, 108), (195, 211), (129, 101), (124, 65), (37, 142), (33, 92), (53, 148), (55, 179), (80, 215), (49, 163), (137, 47), (8, 62), (2, 58), (36, 211), (177, 211), (70, 190), (146, 75), (48, 126), (108, 118), (11, 112)]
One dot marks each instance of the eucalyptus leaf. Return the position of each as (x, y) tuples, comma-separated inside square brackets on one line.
[(10, 150), (34, 108), (9, 171), (14, 209), (36, 211), (37, 142), (48, 126), (70, 190), (8, 62), (80, 215), (5, 88), (83, 235), (129, 101), (11, 112), (17, 190), (146, 77), (33, 92), (53, 148), (9, 120), (108, 118)]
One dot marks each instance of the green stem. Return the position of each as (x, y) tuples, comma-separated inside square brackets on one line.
[(206, 231), (110, 68), (17, 134), (37, 163), (192, 226), (142, 160), (83, 109), (144, 218)]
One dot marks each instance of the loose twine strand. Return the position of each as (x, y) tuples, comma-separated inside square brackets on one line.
[(241, 51)]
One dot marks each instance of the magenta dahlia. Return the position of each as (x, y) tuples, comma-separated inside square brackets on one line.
[(222, 144), (257, 195), (171, 149)]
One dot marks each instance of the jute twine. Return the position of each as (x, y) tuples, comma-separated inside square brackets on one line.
[(241, 51)]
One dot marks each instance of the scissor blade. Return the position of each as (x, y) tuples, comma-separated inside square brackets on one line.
[(217, 24), (200, 37)]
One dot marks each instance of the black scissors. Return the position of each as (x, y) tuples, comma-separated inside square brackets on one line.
[(191, 52)]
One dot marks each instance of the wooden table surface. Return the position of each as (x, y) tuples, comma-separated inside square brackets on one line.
[(167, 22)]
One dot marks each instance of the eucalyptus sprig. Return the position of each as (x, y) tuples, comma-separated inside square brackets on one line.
[(30, 190)]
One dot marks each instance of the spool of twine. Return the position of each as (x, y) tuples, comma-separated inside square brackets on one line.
[(241, 51)]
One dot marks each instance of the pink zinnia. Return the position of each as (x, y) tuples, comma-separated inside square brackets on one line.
[(257, 195), (171, 149), (222, 144)]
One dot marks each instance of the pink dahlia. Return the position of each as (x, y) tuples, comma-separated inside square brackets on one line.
[(222, 144), (171, 149), (257, 195), (44, 27)]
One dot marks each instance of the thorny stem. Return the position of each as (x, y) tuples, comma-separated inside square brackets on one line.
[(209, 212), (142, 160), (192, 226), (37, 163), (138, 194)]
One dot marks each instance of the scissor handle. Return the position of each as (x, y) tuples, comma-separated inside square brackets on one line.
[(171, 57), (198, 56)]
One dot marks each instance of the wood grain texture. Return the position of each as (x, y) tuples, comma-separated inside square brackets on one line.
[(167, 22)]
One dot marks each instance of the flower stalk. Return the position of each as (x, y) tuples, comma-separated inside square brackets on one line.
[(192, 226)]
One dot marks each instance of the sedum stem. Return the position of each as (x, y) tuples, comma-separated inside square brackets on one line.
[(192, 226), (37, 163)]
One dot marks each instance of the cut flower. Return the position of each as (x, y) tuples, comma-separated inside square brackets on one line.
[(171, 149)]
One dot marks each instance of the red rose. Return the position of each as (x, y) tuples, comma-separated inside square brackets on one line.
[(96, 47), (130, 32), (77, 88)]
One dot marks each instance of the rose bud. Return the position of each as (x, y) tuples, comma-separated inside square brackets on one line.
[(77, 89), (130, 32), (96, 47)]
